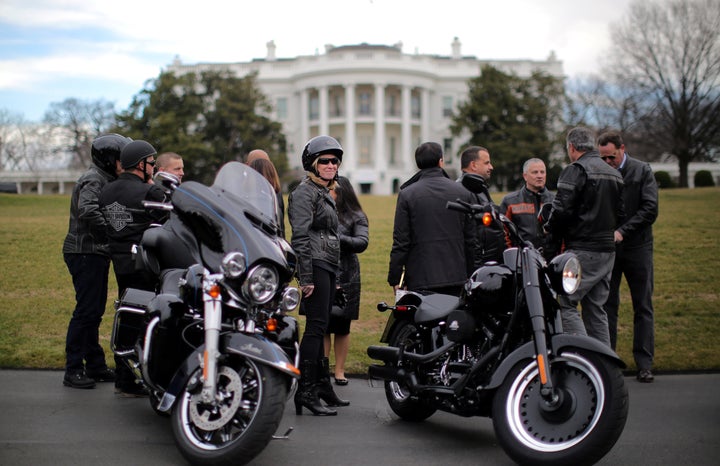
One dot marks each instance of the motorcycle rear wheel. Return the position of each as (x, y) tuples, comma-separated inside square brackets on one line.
[(398, 396), (581, 431), (238, 427)]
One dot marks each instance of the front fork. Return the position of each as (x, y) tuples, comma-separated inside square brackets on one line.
[(212, 304), (531, 285)]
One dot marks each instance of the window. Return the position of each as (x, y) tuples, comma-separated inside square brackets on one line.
[(448, 150), (314, 110), (365, 157), (364, 103), (281, 108), (415, 106), (392, 107), (336, 106), (447, 106), (391, 159)]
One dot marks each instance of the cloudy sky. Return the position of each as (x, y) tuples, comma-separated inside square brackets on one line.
[(51, 50)]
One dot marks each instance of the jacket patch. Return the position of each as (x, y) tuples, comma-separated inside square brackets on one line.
[(117, 216), (525, 208)]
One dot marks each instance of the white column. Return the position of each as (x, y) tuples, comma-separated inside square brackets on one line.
[(350, 144), (425, 116), (324, 112), (406, 144), (380, 159), (304, 120)]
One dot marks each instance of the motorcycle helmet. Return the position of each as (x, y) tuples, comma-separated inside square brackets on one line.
[(106, 149), (318, 146), (135, 152)]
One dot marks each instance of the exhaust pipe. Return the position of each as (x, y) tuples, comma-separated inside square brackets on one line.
[(393, 354)]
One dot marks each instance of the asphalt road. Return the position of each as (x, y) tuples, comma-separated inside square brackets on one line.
[(674, 421)]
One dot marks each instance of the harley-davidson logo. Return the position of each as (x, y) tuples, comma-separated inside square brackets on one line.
[(117, 216)]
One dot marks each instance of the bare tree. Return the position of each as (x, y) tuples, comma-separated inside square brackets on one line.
[(78, 122), (669, 56)]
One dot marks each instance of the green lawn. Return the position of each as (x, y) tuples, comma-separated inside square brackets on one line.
[(37, 294)]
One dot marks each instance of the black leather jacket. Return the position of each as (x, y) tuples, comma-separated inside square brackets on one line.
[(86, 230), (588, 206), (522, 208), (640, 195), (314, 222)]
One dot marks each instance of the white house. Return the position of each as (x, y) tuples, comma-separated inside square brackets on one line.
[(377, 101)]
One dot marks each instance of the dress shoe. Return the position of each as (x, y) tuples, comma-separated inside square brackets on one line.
[(645, 376), (341, 381), (104, 375), (78, 379)]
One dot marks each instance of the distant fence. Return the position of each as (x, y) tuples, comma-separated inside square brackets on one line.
[(63, 181)]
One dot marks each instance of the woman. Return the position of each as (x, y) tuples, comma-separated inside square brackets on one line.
[(314, 222), (353, 234), (267, 169)]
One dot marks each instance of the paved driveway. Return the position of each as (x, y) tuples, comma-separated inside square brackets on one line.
[(674, 421)]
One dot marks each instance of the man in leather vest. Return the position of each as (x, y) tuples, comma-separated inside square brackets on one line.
[(586, 211)]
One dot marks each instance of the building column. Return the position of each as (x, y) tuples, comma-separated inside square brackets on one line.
[(324, 127), (304, 118), (406, 149), (425, 115), (350, 144), (380, 159)]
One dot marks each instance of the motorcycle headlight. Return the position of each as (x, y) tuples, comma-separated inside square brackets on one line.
[(233, 265), (290, 299), (565, 273), (261, 284)]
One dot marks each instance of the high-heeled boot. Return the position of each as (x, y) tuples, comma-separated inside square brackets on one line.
[(325, 389), (307, 392)]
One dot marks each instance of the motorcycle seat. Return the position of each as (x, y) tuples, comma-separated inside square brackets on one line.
[(436, 306)]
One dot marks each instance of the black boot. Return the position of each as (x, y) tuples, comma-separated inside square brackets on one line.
[(325, 388), (307, 392)]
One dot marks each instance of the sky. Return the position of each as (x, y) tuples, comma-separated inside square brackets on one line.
[(51, 50)]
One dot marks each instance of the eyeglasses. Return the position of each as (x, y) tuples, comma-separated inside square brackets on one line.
[(332, 160), (608, 157)]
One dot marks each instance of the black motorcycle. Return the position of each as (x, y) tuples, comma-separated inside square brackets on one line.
[(498, 350), (214, 346)]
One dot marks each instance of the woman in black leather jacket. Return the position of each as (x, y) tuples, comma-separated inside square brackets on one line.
[(314, 222)]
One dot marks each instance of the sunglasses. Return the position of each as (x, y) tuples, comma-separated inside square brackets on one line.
[(332, 160), (608, 157)]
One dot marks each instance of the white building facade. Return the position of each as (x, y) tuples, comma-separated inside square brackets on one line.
[(377, 101)]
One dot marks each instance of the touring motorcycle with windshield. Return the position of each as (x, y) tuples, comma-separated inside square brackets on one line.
[(214, 346), (498, 350)]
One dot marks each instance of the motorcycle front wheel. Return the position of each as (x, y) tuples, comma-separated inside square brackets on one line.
[(239, 424), (581, 429), (398, 396)]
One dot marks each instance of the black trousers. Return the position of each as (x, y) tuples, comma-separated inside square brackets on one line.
[(317, 314), (637, 266), (90, 278)]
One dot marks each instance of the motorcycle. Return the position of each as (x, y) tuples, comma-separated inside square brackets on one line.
[(214, 346), (498, 350)]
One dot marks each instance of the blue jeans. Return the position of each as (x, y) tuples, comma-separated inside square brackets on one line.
[(90, 279), (592, 294)]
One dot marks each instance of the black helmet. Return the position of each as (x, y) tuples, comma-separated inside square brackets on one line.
[(317, 146), (106, 149), (136, 151)]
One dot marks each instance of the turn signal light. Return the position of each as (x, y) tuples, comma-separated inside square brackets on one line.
[(214, 291), (271, 324), (487, 219)]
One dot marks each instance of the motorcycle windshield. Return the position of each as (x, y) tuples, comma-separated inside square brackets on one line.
[(248, 185)]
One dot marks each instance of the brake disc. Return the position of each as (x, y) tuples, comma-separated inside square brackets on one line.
[(213, 416)]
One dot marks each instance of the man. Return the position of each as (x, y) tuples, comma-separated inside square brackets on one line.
[(170, 162), (433, 247), (523, 206), (256, 154), (86, 254), (127, 219), (634, 251), (587, 209), (490, 239)]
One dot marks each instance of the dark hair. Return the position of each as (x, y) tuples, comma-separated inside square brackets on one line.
[(267, 169), (428, 155), (610, 137), (470, 154), (346, 200)]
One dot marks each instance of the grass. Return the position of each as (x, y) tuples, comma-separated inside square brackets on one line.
[(38, 298)]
